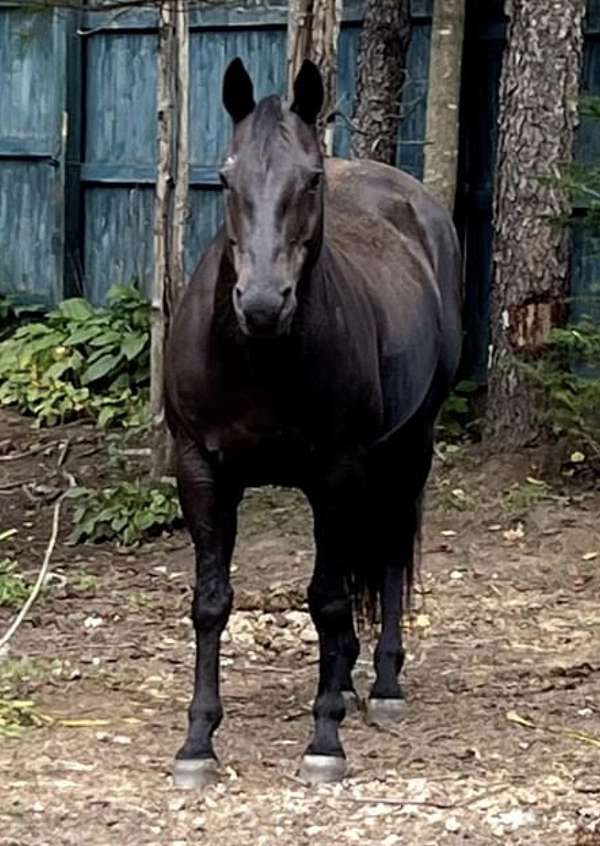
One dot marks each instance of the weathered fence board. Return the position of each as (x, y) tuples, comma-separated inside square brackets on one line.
[(32, 103)]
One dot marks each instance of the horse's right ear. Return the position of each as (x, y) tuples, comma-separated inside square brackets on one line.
[(238, 92)]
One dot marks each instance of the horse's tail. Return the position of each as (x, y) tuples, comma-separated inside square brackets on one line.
[(369, 573)]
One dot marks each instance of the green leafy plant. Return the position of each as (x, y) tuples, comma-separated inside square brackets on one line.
[(521, 497), (14, 589), (81, 361), (568, 377), (126, 513), (459, 418), (13, 314), (16, 715)]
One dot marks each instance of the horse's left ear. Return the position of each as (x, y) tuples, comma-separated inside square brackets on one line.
[(308, 92), (238, 91)]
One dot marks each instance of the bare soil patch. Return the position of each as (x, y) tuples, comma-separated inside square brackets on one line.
[(502, 742)]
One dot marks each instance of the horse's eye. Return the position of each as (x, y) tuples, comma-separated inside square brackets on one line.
[(224, 182), (314, 182)]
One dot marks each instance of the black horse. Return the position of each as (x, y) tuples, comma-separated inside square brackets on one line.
[(313, 348)]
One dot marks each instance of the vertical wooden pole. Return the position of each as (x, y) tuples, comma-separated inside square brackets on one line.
[(443, 100), (182, 180), (298, 39), (162, 227), (313, 33), (171, 208)]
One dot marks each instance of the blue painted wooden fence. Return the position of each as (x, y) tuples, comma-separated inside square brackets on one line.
[(32, 105), (77, 213), (78, 139)]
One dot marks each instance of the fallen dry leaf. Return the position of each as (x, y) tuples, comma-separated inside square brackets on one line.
[(518, 533)]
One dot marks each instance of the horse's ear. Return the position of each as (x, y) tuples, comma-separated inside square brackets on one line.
[(238, 92), (308, 92)]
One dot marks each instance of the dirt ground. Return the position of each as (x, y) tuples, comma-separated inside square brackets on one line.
[(502, 741)]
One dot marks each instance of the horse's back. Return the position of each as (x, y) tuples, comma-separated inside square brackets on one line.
[(386, 222)]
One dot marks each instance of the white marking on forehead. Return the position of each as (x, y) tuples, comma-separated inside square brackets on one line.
[(229, 162)]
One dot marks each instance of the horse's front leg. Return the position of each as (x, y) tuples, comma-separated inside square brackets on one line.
[(209, 505), (330, 605)]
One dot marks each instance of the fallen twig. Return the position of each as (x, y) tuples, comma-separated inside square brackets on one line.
[(444, 806), (64, 448), (12, 456), (582, 736), (40, 579), (11, 486), (47, 555)]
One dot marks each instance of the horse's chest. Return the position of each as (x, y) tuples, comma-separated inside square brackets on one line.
[(260, 436), (258, 454)]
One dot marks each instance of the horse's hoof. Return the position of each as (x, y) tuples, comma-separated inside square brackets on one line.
[(195, 773), (322, 769), (386, 711), (351, 702)]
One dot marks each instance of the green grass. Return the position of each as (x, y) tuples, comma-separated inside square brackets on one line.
[(522, 497), (14, 589)]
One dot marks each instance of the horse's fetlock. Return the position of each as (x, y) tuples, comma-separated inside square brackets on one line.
[(394, 654), (210, 714), (210, 610)]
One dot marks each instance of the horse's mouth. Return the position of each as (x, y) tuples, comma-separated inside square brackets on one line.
[(266, 334), (278, 327)]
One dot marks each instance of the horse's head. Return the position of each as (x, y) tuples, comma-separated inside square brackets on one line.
[(273, 189)]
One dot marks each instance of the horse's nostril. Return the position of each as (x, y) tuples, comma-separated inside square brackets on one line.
[(237, 293), (286, 292)]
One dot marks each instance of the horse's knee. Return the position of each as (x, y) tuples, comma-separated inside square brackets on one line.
[(328, 611), (211, 609)]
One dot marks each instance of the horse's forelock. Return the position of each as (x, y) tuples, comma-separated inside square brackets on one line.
[(272, 124)]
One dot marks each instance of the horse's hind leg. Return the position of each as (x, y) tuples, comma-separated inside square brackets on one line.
[(386, 701), (399, 477), (209, 506), (351, 651)]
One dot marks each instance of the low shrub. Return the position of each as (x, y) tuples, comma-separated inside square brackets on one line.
[(127, 513), (81, 361)]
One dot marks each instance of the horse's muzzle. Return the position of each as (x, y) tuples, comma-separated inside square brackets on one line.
[(264, 313)]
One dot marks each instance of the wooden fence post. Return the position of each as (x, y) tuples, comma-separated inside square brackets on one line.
[(171, 209), (313, 33)]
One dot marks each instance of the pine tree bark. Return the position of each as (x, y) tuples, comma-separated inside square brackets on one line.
[(384, 43), (443, 100), (538, 117), (313, 33)]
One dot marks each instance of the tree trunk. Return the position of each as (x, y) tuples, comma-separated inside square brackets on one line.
[(170, 212), (443, 96), (538, 117), (384, 43), (313, 33)]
